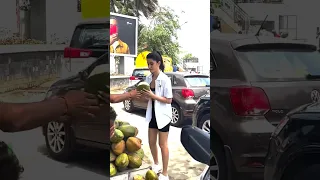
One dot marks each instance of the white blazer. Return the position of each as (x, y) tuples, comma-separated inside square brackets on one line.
[(163, 111)]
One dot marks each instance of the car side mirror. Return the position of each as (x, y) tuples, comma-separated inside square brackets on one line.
[(197, 143)]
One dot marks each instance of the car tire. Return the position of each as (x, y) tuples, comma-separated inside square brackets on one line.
[(218, 164), (60, 140), (303, 172), (128, 105), (204, 123), (176, 115)]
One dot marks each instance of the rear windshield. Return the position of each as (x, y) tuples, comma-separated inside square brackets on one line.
[(140, 72), (197, 81), (279, 65), (91, 36)]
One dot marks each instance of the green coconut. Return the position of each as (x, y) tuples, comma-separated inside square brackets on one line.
[(143, 86), (98, 80)]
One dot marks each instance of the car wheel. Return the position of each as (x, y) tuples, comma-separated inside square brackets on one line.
[(60, 140), (218, 165), (205, 123), (176, 115), (128, 105), (303, 172)]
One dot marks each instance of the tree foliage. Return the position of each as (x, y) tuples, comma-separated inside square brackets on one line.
[(187, 56), (161, 34), (134, 7)]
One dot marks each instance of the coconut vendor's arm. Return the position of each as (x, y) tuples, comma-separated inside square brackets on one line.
[(116, 98), (26, 116)]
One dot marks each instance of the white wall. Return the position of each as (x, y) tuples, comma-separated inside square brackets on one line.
[(8, 18), (62, 17), (308, 12)]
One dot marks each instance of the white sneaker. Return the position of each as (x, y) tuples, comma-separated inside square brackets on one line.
[(163, 177), (156, 168)]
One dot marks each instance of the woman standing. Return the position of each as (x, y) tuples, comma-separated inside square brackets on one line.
[(160, 98)]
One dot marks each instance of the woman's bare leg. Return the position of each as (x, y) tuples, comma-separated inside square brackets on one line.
[(163, 143), (153, 135)]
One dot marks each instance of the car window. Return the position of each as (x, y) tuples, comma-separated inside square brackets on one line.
[(140, 72), (174, 81), (280, 65), (197, 81), (91, 36)]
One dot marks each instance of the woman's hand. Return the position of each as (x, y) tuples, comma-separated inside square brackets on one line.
[(148, 93), (138, 95)]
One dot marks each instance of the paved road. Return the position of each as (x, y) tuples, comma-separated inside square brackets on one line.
[(181, 164)]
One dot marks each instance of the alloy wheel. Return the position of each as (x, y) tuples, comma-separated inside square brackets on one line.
[(175, 115), (214, 168), (206, 126), (56, 136), (127, 105)]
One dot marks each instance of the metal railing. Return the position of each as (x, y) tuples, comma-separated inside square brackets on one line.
[(237, 14)]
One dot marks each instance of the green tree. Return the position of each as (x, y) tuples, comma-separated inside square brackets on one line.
[(134, 7), (161, 34), (187, 56)]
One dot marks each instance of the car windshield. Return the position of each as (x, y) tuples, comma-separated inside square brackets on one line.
[(141, 72), (91, 36), (199, 81), (280, 65)]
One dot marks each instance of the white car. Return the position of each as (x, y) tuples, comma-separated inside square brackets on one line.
[(90, 40), (137, 75)]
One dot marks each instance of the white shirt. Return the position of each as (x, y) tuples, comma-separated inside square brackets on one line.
[(163, 111)]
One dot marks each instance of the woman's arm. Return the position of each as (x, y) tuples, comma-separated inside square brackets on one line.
[(167, 93), (162, 99), (21, 117)]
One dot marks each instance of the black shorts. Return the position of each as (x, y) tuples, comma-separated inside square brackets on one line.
[(153, 125)]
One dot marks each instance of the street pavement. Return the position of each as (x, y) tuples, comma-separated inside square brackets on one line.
[(181, 164)]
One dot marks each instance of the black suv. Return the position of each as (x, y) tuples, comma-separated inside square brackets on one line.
[(294, 147), (255, 82), (201, 113), (62, 138)]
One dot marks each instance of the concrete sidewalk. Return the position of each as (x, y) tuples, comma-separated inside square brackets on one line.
[(181, 164)]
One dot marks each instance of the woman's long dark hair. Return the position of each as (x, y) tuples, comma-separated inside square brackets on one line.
[(156, 56)]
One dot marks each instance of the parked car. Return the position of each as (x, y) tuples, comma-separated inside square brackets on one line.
[(89, 41), (256, 81), (201, 113), (137, 75), (197, 144), (62, 138), (294, 146), (187, 89)]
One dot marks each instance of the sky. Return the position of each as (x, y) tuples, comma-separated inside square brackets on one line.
[(196, 17)]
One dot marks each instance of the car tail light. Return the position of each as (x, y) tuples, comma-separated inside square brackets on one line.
[(133, 78), (76, 53), (249, 101), (187, 93)]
